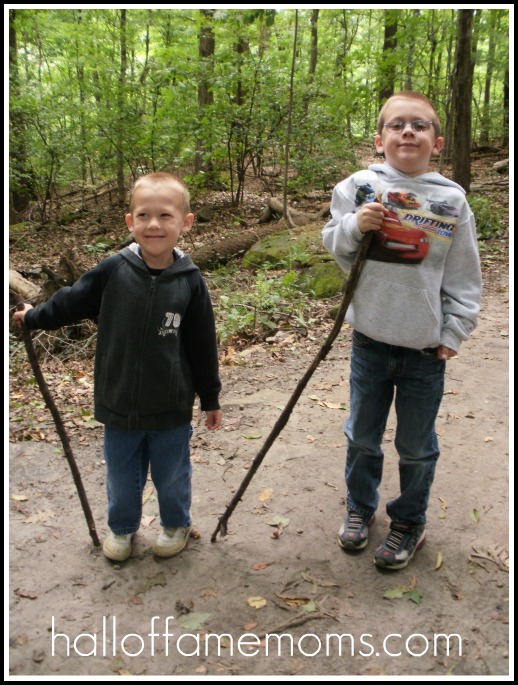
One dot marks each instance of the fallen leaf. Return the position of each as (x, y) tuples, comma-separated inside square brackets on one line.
[(335, 405), (193, 620), (310, 606), (492, 553), (265, 494), (277, 520), (208, 592), (414, 596), (293, 599), (474, 515), (134, 599), (438, 562), (394, 593), (251, 436), (256, 602), (318, 581), (413, 584), (27, 595), (20, 498), (260, 567)]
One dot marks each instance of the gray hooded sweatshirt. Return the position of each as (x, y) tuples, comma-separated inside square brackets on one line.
[(421, 283)]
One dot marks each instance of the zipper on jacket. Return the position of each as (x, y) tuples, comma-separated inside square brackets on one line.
[(134, 415)]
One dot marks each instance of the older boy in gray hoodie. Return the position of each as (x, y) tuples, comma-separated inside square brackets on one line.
[(417, 299)]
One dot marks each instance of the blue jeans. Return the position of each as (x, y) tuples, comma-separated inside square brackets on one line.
[(128, 455), (416, 377)]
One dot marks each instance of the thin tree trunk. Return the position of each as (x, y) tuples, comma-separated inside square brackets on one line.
[(494, 20), (19, 195), (387, 66), (462, 94), (121, 188), (206, 49), (288, 128)]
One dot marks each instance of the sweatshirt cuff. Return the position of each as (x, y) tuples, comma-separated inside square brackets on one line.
[(448, 339), (355, 228), (210, 403)]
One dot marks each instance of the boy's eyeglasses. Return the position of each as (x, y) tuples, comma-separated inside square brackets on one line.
[(418, 125)]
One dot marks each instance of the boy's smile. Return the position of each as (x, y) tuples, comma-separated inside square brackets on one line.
[(156, 222), (407, 150)]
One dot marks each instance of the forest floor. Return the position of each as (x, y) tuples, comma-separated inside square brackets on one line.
[(220, 609)]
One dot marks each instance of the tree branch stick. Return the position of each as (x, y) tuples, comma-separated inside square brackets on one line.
[(350, 287), (33, 359)]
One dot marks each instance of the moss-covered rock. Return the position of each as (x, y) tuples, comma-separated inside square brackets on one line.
[(300, 249), (322, 280), (295, 247)]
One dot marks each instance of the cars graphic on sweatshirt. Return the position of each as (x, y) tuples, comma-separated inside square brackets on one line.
[(364, 193), (404, 200), (396, 243), (442, 208)]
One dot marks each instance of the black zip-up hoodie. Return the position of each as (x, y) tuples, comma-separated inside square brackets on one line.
[(156, 339)]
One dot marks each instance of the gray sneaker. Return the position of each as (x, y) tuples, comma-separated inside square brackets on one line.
[(171, 541), (354, 532), (400, 545)]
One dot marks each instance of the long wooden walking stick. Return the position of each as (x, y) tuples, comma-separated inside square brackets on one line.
[(350, 287), (42, 384)]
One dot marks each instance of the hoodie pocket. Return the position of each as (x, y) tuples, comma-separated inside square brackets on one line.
[(396, 314)]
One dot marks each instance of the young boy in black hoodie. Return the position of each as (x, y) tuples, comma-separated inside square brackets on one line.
[(156, 348)]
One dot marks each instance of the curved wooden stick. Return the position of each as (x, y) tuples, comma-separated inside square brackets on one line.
[(350, 287), (33, 359)]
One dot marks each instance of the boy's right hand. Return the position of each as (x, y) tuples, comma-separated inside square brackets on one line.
[(370, 216), (19, 314)]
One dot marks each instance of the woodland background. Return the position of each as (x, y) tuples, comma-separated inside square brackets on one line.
[(251, 108), (100, 96)]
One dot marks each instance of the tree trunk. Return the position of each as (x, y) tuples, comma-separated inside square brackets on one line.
[(505, 138), (411, 52), (486, 120), (314, 43), (121, 187), (19, 195), (206, 49), (462, 87), (286, 211), (387, 67)]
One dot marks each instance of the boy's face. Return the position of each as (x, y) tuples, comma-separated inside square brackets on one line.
[(156, 222), (408, 151)]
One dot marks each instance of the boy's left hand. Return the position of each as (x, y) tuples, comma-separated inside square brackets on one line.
[(213, 419), (445, 353)]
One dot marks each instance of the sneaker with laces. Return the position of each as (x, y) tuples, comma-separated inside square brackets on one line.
[(354, 532), (117, 547), (399, 546), (171, 541)]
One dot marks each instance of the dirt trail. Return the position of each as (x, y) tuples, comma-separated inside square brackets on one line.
[(66, 599)]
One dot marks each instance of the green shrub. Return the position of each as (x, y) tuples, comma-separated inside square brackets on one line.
[(487, 217)]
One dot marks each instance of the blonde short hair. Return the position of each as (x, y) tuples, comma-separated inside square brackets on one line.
[(164, 179), (410, 95)]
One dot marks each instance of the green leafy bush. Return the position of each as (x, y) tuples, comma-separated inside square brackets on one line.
[(487, 217)]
